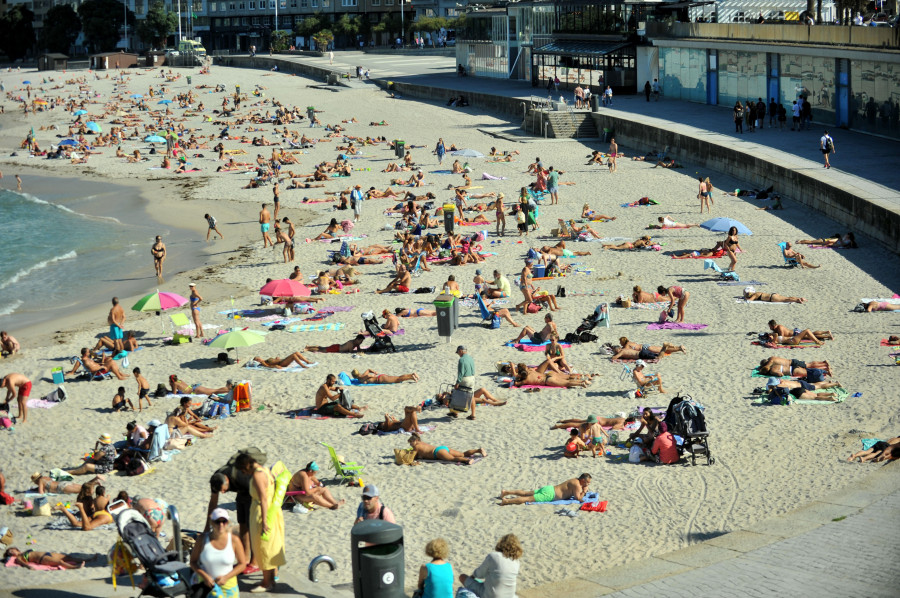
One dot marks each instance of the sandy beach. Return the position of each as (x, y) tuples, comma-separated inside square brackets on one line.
[(770, 459)]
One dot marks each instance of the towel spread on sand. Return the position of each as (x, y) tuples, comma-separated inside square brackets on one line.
[(676, 326), (346, 380), (63, 523), (331, 309), (475, 460), (253, 365), (736, 283), (34, 566), (315, 327), (423, 429), (886, 343), (588, 497), (802, 345), (895, 300), (633, 360), (654, 305), (531, 346), (745, 301), (41, 404), (842, 395), (306, 413)]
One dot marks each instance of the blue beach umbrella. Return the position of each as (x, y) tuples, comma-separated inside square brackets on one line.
[(467, 153), (79, 112), (68, 142), (721, 225), (154, 139), (26, 82), (136, 96), (164, 102), (91, 125)]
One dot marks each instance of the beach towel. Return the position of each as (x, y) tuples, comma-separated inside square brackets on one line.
[(422, 428), (41, 404), (868, 443), (842, 395), (61, 523), (306, 413), (281, 322), (802, 345), (633, 360), (895, 300), (589, 497), (315, 327), (441, 172), (676, 326), (656, 305), (524, 344), (736, 283), (475, 460), (253, 365), (331, 309), (346, 380), (35, 567), (886, 343), (489, 177)]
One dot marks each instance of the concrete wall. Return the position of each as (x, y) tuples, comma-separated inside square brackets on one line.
[(284, 66), (846, 206), (873, 37)]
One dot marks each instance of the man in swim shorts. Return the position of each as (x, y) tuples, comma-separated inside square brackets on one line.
[(400, 283), (350, 346), (328, 401), (17, 383), (264, 219), (575, 488), (116, 320)]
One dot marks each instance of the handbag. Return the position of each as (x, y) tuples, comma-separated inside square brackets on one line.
[(405, 456)]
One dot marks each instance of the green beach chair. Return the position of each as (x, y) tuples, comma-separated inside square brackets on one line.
[(346, 471)]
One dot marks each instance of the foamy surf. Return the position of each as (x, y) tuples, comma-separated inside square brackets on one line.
[(11, 308), (39, 266), (38, 200)]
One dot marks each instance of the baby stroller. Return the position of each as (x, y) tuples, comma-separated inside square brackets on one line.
[(383, 343), (583, 333), (166, 575), (685, 418)]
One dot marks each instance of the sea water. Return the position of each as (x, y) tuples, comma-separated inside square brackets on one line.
[(66, 241)]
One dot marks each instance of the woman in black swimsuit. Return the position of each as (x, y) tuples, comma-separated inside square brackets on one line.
[(47, 559), (732, 246)]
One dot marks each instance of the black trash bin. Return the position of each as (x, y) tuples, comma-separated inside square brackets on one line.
[(400, 147), (595, 103), (377, 558), (188, 79), (449, 213), (447, 314)]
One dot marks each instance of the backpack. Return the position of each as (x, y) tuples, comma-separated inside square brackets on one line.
[(829, 145), (367, 429), (161, 391), (137, 466), (532, 255), (495, 322)]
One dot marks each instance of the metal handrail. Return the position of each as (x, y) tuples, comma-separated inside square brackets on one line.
[(176, 531)]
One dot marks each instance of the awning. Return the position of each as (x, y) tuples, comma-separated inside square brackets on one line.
[(575, 47)]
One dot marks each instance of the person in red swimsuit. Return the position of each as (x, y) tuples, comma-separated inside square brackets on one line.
[(14, 383)]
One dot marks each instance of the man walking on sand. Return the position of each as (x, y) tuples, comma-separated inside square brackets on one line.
[(553, 186), (357, 198), (159, 256), (264, 219), (613, 153), (116, 321), (575, 488), (826, 144), (17, 383)]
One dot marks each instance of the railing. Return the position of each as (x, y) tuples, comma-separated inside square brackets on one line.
[(572, 120), (872, 37)]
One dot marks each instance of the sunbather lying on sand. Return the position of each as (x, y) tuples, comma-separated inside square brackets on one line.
[(881, 451), (880, 306), (799, 389), (644, 241), (750, 294), (799, 337), (429, 452), (812, 371), (409, 423), (847, 241), (639, 295), (631, 350), (180, 386), (575, 488), (350, 346), (785, 331), (479, 397), (616, 423), (277, 363), (666, 222), (31, 558), (587, 212), (560, 250), (373, 377), (49, 485), (107, 343), (525, 376), (419, 312)]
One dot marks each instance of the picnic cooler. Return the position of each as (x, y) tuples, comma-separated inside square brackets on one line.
[(58, 376), (539, 270)]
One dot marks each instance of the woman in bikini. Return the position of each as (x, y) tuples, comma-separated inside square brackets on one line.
[(409, 423), (373, 377), (750, 294), (644, 241), (420, 312), (639, 295), (195, 300), (330, 231), (308, 488), (555, 356), (675, 294), (666, 222), (92, 511), (587, 212), (528, 377), (501, 215), (181, 387), (30, 558), (803, 335), (837, 241), (731, 246), (49, 485), (881, 306), (277, 363)]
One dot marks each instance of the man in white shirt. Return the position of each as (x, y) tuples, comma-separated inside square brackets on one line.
[(795, 108), (826, 144)]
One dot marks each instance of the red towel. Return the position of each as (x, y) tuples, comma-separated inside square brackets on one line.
[(598, 507)]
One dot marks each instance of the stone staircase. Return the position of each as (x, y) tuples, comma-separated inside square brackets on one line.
[(560, 124)]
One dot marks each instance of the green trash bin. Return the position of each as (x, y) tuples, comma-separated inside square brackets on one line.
[(400, 148), (447, 314), (608, 134), (449, 214)]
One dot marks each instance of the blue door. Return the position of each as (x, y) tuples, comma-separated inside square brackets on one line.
[(712, 88)]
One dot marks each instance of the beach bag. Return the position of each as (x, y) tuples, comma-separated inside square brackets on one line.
[(560, 291), (41, 507), (57, 396), (137, 467), (345, 249), (635, 455), (531, 255), (347, 225), (495, 322), (7, 538), (345, 401), (368, 429), (223, 358), (161, 391), (533, 308), (405, 456), (663, 317)]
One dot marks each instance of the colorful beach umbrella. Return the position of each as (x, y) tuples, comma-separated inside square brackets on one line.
[(285, 288), (159, 301), (79, 112), (154, 139), (43, 102), (237, 338), (721, 225), (91, 125)]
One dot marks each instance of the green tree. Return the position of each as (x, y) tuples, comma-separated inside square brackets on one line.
[(61, 29), (280, 40), (430, 24), (309, 26), (16, 32), (389, 24), (157, 25), (323, 38), (101, 21)]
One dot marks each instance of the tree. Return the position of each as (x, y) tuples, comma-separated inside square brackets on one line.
[(323, 38), (16, 32), (389, 24), (280, 40), (157, 25), (309, 26), (101, 21), (61, 29)]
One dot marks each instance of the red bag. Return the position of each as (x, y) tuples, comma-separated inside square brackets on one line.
[(598, 507), (6, 499), (533, 308)]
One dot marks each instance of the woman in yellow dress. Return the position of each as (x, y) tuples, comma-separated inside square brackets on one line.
[(266, 522)]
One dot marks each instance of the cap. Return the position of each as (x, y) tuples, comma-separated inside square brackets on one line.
[(219, 513), (105, 438), (370, 490), (748, 290), (314, 466), (639, 363), (460, 348), (154, 423), (477, 272), (193, 284), (592, 419), (772, 382)]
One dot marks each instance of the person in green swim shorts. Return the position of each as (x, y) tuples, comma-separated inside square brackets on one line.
[(575, 488)]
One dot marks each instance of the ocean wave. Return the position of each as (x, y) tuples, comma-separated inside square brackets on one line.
[(38, 200), (12, 307), (39, 266)]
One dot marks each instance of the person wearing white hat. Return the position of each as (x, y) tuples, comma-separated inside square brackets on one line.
[(644, 381), (356, 200), (101, 459), (371, 506), (218, 558)]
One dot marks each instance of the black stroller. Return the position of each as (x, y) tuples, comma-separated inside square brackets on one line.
[(166, 574), (383, 343), (583, 333), (685, 418)]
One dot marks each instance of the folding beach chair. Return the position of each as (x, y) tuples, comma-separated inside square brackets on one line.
[(103, 374), (180, 320), (788, 261), (628, 372), (564, 232), (346, 471), (724, 274)]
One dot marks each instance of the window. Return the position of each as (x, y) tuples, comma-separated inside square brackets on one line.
[(242, 6), (304, 3), (254, 21), (348, 2), (244, 21), (252, 5), (314, 3), (212, 7), (326, 3), (376, 2), (293, 3), (388, 2), (231, 6), (226, 22), (271, 4)]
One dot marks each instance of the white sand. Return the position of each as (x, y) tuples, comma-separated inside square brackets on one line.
[(769, 459)]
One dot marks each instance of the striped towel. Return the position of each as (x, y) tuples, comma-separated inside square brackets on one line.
[(315, 327)]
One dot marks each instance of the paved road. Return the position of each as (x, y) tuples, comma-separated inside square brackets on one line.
[(871, 157)]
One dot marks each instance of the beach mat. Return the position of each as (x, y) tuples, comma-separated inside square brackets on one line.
[(252, 365), (315, 327), (738, 283), (886, 343), (660, 305), (676, 326), (802, 345), (588, 498), (307, 413), (842, 396), (423, 429)]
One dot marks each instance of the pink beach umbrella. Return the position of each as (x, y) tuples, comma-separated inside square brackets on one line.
[(285, 288), (158, 302)]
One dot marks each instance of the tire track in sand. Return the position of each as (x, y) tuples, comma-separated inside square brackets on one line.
[(689, 525)]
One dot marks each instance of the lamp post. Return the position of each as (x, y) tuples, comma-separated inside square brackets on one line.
[(402, 27), (125, 20)]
